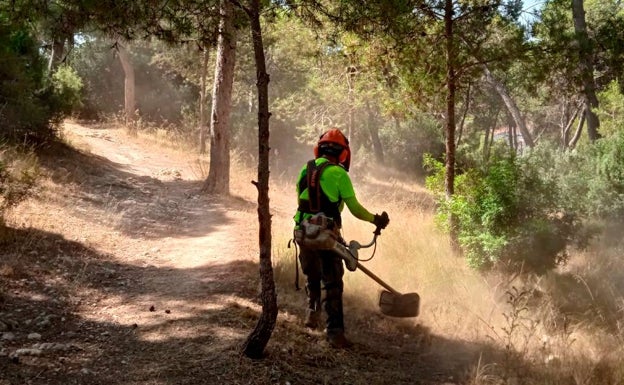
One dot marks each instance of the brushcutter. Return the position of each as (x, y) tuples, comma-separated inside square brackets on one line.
[(314, 234), (391, 302)]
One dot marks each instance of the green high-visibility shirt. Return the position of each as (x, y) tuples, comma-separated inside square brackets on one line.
[(336, 184)]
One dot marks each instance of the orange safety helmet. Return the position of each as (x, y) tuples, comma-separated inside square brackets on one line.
[(333, 142)]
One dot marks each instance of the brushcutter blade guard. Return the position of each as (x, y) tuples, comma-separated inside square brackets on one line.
[(399, 305)]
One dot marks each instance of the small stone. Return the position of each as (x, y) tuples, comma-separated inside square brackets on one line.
[(34, 336), (8, 336), (28, 352), (44, 323)]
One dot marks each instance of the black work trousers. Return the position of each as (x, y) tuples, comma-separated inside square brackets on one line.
[(324, 267)]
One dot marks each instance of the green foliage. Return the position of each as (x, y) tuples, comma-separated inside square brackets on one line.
[(31, 104), (23, 99), (163, 88), (596, 177), (611, 111), (66, 86), (407, 143), (509, 212)]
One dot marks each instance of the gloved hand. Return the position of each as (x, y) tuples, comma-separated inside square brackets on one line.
[(381, 221)]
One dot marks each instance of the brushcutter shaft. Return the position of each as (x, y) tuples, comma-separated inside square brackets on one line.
[(377, 279)]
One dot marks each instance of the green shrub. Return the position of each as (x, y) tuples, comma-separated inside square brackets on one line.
[(31, 103), (607, 189), (24, 110), (509, 212), (406, 144), (66, 88)]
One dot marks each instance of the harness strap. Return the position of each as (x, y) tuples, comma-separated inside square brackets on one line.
[(296, 263), (317, 200), (313, 176)]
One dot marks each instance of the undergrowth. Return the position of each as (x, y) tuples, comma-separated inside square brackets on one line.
[(559, 328), (18, 171)]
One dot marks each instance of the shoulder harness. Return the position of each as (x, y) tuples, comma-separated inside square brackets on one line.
[(318, 201)]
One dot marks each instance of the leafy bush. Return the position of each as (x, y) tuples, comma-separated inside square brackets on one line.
[(66, 86), (594, 176), (509, 212), (405, 145), (24, 110), (31, 104)]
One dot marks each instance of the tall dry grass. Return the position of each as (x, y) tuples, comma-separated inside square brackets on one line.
[(562, 328)]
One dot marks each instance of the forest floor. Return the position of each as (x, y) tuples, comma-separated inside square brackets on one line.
[(117, 271)]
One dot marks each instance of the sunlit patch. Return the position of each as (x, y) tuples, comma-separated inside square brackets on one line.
[(148, 311), (32, 296)]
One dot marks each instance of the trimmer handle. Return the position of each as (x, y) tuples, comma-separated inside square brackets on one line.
[(377, 231)]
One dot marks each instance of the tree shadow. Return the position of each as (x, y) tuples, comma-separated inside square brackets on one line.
[(193, 329), (141, 207)]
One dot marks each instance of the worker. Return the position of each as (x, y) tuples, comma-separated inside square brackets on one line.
[(324, 186)]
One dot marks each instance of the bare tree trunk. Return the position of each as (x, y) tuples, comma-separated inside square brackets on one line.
[(202, 101), (579, 129), (129, 89), (449, 181), (351, 71), (586, 67), (256, 341), (566, 130), (511, 133), (489, 136), (374, 133), (464, 113), (511, 106), (56, 56), (218, 181)]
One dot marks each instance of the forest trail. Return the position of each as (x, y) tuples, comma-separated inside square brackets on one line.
[(120, 272), (193, 237)]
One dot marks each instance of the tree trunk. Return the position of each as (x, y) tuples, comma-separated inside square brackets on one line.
[(218, 181), (579, 129), (511, 130), (129, 89), (463, 117), (351, 71), (586, 67), (56, 56), (374, 133), (449, 181), (489, 134), (566, 130), (256, 341), (511, 106), (202, 101)]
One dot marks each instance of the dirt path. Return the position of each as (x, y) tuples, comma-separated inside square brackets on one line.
[(120, 273), (177, 230)]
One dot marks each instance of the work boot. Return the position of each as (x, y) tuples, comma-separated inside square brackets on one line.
[(337, 340), (313, 318)]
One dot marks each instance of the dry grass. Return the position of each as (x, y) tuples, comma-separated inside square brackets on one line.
[(563, 328)]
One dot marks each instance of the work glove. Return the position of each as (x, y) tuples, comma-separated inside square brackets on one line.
[(381, 221)]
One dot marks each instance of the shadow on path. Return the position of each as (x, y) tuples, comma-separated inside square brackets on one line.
[(140, 206), (59, 288)]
